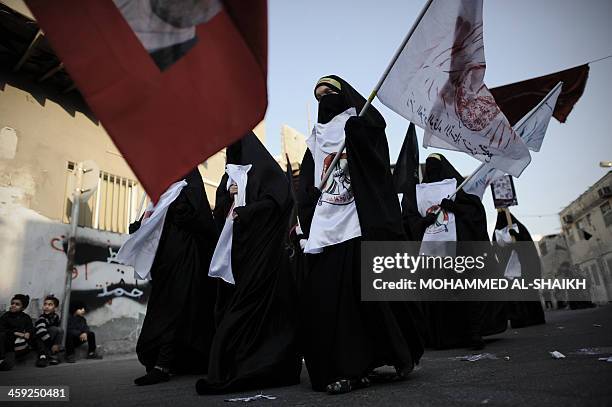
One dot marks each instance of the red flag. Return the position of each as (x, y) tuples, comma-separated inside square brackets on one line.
[(517, 99), (166, 106)]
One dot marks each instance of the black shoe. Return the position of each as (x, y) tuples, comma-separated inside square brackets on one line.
[(93, 355), (153, 377), (345, 385), (70, 359), (8, 363), (53, 360), (42, 361)]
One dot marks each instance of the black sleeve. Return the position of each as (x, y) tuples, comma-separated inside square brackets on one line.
[(29, 326), (414, 223), (134, 226), (307, 193), (248, 212)]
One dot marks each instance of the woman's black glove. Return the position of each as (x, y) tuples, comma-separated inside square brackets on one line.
[(134, 227), (448, 205), (430, 219)]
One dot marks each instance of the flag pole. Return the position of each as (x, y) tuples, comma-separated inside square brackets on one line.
[(377, 88), (516, 127)]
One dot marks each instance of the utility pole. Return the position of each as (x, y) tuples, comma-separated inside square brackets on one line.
[(74, 221), (86, 175)]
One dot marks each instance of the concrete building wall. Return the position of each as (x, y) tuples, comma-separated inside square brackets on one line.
[(553, 252), (587, 226), (293, 146), (47, 138)]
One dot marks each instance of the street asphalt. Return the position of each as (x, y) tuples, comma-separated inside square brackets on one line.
[(519, 372)]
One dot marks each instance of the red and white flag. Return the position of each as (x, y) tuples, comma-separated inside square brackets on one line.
[(437, 83), (172, 82)]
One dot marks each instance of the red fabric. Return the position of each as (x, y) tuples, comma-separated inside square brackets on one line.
[(517, 99), (164, 123)]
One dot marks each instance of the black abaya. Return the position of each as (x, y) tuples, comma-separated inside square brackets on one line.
[(178, 327), (255, 344), (456, 323), (523, 313), (343, 337)]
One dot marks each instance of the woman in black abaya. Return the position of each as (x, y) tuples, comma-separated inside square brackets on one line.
[(343, 338), (179, 324), (454, 324), (522, 313), (255, 344)]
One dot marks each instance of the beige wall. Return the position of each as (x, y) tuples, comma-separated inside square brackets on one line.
[(293, 145), (47, 138)]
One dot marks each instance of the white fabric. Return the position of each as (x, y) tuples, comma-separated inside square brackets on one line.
[(221, 262), (153, 32), (503, 238), (513, 268), (140, 248), (531, 130), (437, 83), (444, 229), (335, 218)]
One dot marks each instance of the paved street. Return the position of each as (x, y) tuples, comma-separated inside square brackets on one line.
[(529, 377)]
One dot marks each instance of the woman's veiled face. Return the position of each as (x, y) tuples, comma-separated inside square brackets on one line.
[(433, 169), (324, 90)]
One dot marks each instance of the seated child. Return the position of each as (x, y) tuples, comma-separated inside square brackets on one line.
[(79, 332), (48, 329), (17, 334)]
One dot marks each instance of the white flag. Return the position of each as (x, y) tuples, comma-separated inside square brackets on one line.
[(140, 248), (437, 83), (532, 129)]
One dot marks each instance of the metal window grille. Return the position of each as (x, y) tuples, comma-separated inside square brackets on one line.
[(112, 207)]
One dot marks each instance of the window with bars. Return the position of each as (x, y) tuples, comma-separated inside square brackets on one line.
[(112, 207)]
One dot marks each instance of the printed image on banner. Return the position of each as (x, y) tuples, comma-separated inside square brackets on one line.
[(167, 29), (504, 194)]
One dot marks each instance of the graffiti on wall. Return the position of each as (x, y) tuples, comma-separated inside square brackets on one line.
[(97, 279)]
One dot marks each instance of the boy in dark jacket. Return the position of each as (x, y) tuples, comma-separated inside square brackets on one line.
[(17, 334), (49, 330), (79, 332)]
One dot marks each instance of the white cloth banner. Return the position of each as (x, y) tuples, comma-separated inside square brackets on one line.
[(335, 218), (140, 248), (503, 238), (437, 83), (221, 262), (429, 196), (532, 130)]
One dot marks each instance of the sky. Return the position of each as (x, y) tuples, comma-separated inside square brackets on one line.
[(523, 39)]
